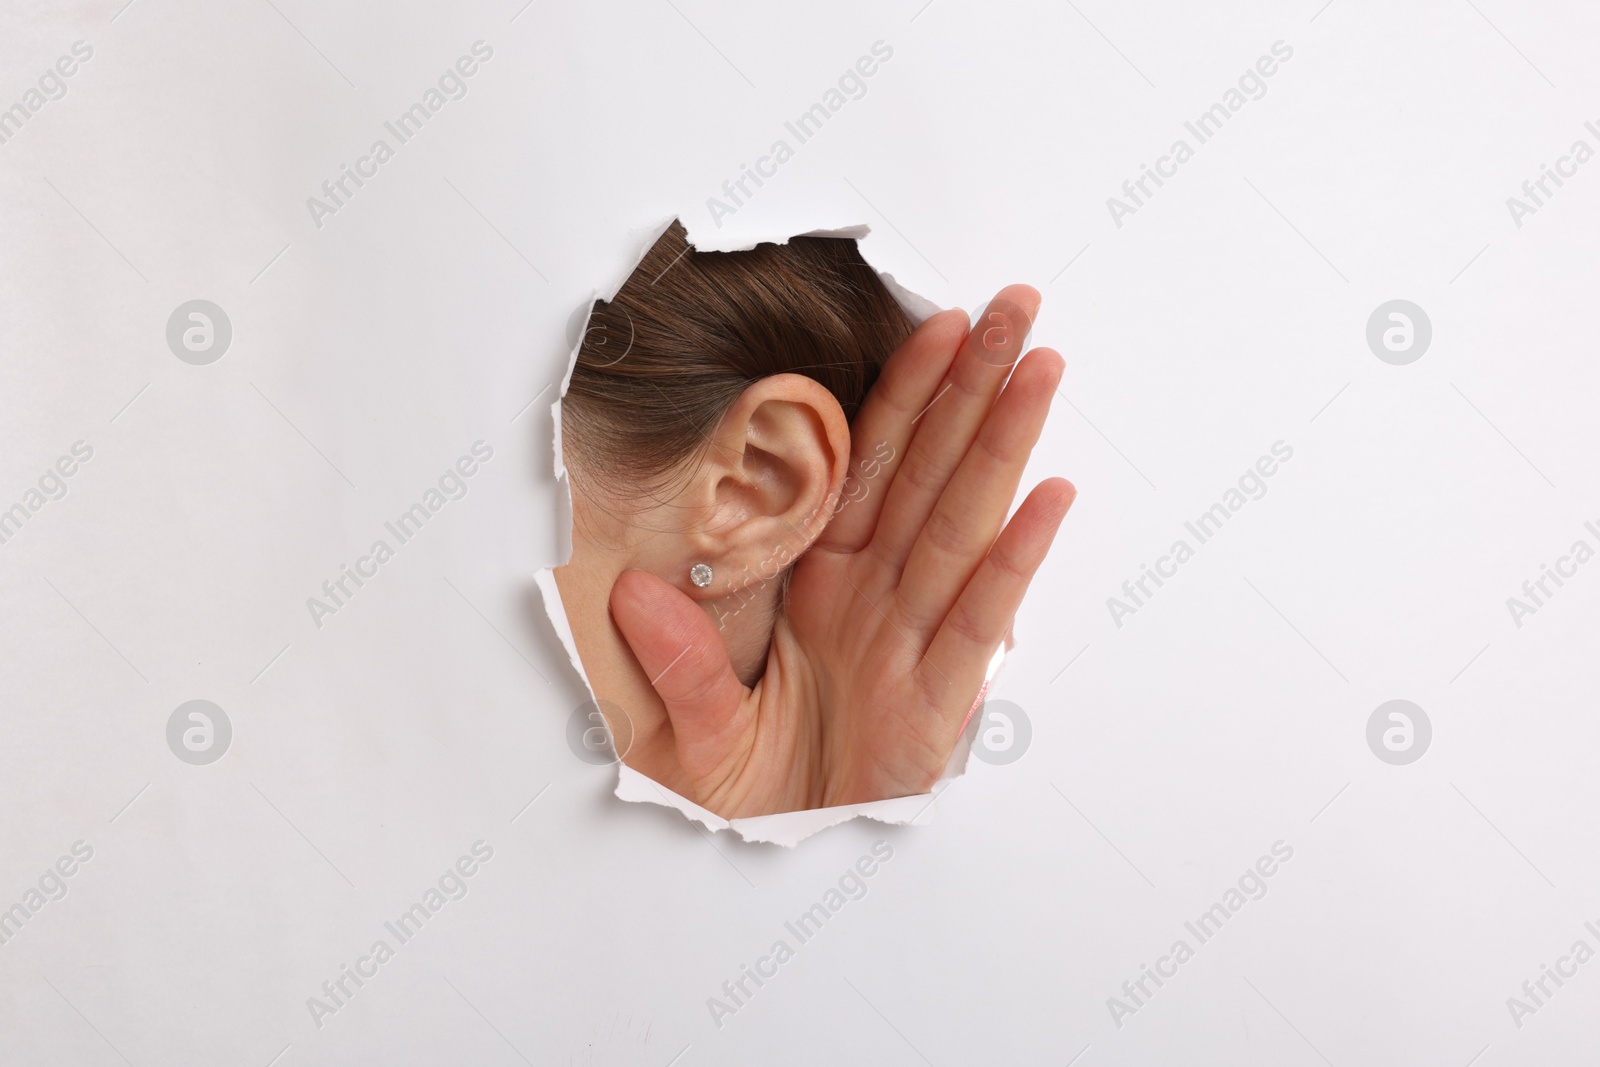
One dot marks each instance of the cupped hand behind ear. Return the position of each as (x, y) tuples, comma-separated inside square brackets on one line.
[(893, 616)]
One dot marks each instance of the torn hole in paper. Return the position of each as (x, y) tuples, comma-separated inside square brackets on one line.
[(756, 484)]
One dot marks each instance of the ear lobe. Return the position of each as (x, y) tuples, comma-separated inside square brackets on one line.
[(776, 468)]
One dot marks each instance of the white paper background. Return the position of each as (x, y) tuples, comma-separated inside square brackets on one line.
[(431, 312)]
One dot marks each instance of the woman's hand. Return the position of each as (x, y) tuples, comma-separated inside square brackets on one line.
[(893, 615)]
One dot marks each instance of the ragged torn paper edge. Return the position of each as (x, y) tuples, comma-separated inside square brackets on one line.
[(787, 828)]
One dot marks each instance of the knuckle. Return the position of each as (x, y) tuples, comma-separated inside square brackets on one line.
[(1008, 566), (945, 534), (964, 625)]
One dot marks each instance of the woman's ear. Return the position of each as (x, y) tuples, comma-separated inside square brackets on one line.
[(768, 482)]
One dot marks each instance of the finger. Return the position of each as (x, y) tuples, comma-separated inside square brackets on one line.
[(972, 509), (946, 430), (910, 379), (687, 664), (982, 614)]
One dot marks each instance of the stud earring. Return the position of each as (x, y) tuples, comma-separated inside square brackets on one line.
[(700, 575)]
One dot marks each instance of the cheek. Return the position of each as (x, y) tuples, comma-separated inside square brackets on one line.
[(610, 535), (600, 521)]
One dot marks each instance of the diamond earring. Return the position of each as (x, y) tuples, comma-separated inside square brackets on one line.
[(700, 575)]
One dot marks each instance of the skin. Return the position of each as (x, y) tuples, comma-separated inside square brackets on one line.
[(855, 685)]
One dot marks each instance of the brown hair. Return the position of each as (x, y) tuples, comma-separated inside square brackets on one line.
[(689, 331)]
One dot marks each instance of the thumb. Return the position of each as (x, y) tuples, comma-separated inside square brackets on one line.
[(688, 666)]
